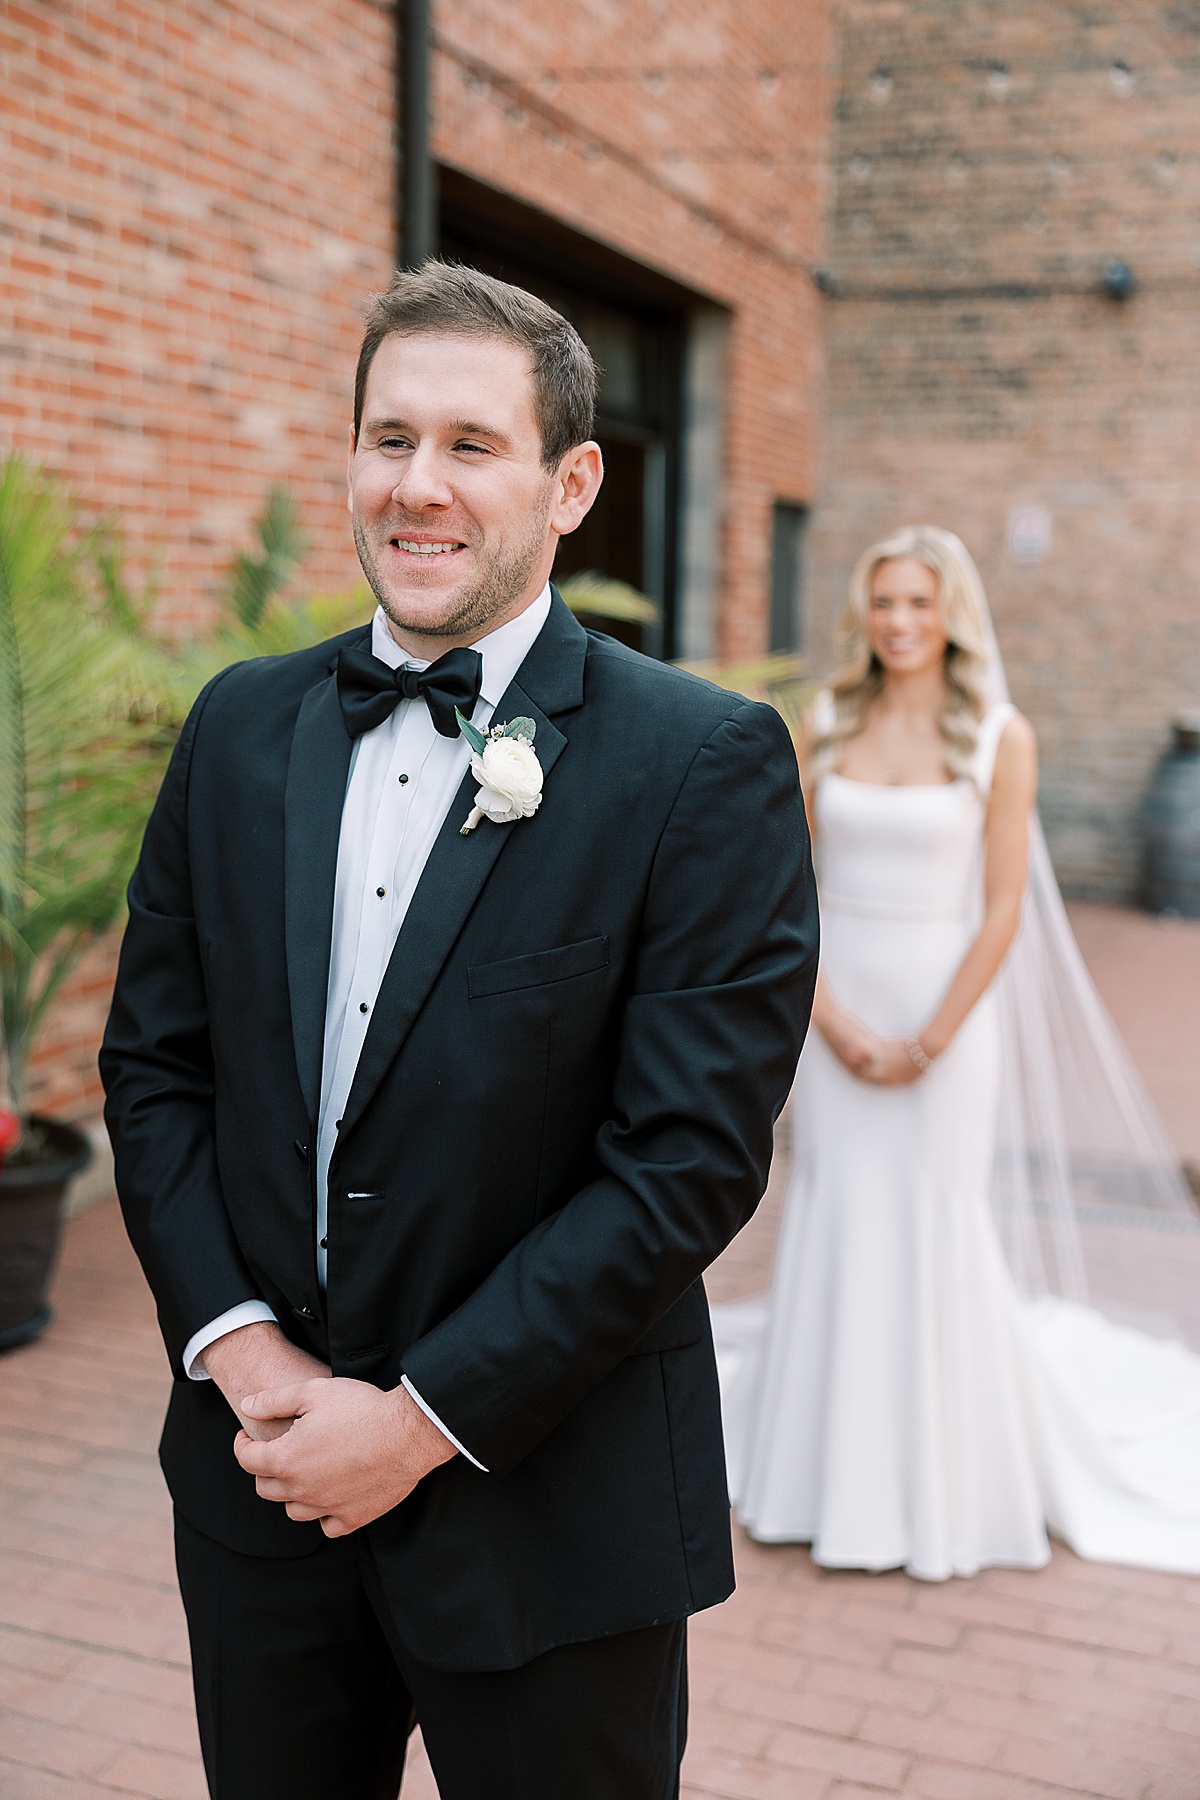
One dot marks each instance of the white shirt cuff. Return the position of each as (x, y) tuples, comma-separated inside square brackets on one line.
[(408, 1387), (254, 1312), (250, 1312)]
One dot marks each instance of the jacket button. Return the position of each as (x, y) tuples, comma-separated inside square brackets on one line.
[(303, 1312), (300, 1149)]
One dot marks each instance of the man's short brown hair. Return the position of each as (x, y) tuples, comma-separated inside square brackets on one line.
[(451, 298)]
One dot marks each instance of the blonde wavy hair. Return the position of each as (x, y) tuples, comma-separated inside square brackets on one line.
[(840, 711)]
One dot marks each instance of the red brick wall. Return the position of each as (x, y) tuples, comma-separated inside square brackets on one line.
[(989, 160), (194, 201), (195, 195), (196, 198), (693, 139), (63, 1077)]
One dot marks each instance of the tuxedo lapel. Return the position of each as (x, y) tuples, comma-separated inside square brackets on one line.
[(318, 769), (551, 678)]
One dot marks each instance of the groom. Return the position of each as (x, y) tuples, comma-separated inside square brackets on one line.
[(436, 1079)]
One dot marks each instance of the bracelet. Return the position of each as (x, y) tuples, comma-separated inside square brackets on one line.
[(916, 1051)]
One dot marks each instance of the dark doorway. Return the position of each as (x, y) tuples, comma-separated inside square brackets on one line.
[(632, 320)]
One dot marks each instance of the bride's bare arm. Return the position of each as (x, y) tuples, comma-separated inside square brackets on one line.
[(1006, 867), (852, 1042)]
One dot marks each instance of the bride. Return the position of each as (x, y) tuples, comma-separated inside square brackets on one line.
[(969, 1338)]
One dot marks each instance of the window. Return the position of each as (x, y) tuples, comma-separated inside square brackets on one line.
[(787, 575)]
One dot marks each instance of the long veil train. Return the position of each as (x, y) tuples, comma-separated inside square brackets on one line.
[(1087, 1190)]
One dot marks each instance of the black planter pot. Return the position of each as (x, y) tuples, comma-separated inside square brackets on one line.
[(32, 1204), (1171, 826)]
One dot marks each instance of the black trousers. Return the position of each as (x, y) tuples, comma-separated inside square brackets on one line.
[(304, 1692)]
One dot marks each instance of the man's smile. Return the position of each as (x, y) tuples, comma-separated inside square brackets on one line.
[(420, 547)]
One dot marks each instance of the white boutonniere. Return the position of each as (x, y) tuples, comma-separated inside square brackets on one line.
[(505, 765)]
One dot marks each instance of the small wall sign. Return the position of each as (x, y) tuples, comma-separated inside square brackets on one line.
[(1030, 532)]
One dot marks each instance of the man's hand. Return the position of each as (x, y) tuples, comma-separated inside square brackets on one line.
[(256, 1357), (352, 1453)]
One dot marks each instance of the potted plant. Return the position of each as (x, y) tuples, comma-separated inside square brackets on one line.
[(82, 750)]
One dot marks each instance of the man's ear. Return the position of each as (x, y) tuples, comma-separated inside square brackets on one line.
[(577, 482), (350, 471)]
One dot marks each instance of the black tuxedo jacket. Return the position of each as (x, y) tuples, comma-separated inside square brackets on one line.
[(562, 1113)]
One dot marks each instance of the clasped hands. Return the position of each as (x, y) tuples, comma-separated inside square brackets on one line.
[(883, 1061), (323, 1446)]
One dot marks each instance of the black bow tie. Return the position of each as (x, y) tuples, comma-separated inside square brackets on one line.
[(369, 691)]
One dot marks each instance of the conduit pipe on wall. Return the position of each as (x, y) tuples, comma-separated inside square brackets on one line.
[(418, 222)]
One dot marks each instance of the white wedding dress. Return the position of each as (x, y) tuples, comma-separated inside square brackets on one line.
[(895, 1401)]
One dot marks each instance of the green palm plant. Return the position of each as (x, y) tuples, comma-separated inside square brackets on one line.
[(602, 597), (257, 578), (283, 627), (780, 678), (83, 746), (258, 621)]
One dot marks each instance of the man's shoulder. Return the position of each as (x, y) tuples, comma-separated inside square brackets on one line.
[(276, 682), (650, 689), (616, 672)]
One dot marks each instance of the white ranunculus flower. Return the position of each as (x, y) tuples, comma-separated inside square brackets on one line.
[(510, 780)]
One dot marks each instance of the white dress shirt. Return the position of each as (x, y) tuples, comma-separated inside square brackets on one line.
[(403, 779)]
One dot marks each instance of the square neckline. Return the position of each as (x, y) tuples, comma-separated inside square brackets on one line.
[(900, 787)]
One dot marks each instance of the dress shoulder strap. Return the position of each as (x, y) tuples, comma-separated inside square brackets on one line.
[(991, 728), (823, 712)]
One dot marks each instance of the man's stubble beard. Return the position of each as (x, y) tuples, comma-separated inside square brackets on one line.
[(476, 608)]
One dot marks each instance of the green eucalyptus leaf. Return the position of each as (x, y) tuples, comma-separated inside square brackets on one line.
[(471, 732), (521, 728)]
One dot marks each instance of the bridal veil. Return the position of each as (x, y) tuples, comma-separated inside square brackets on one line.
[(1088, 1194)]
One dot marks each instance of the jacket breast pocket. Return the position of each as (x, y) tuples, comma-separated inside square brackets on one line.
[(538, 969)]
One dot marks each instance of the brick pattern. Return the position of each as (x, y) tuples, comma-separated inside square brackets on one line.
[(1151, 986), (693, 139), (93, 1648), (63, 1077), (988, 162), (1077, 1680), (195, 199)]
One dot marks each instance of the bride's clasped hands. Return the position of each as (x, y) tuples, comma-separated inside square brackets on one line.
[(887, 1062), (900, 744)]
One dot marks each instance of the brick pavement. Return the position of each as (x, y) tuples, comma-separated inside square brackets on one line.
[(1149, 972), (1079, 1680)]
